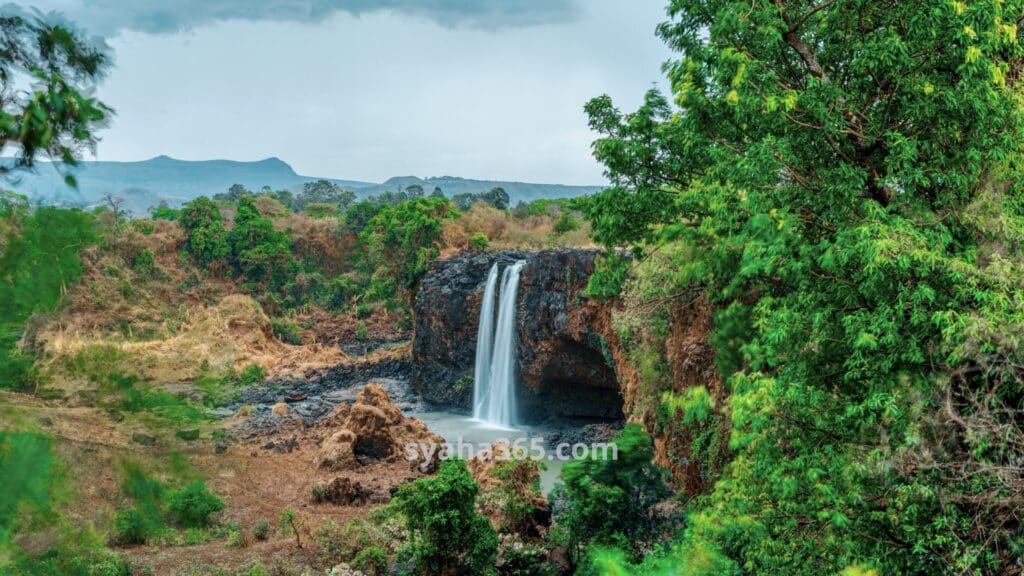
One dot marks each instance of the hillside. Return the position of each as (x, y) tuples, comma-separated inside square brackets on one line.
[(453, 186), (148, 182)]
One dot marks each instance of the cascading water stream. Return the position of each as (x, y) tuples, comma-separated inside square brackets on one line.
[(494, 393), (484, 346)]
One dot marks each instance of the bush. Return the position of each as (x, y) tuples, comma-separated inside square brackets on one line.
[(372, 561), (448, 535), (629, 485), (342, 543), (318, 493), (251, 374), (145, 264), (361, 332), (261, 530), (189, 435), (566, 223), (193, 505), (319, 210), (478, 241), (286, 331), (131, 527)]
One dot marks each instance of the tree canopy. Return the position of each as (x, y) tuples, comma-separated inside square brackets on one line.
[(843, 177), (46, 72)]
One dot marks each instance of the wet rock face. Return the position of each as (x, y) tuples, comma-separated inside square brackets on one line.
[(563, 357)]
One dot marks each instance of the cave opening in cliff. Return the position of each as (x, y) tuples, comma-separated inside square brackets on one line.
[(577, 382)]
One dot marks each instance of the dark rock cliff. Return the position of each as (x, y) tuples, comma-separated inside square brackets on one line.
[(564, 359)]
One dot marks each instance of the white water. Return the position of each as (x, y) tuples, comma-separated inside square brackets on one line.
[(496, 392), (484, 346)]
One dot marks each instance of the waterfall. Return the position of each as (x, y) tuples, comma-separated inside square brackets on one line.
[(484, 345), (495, 385)]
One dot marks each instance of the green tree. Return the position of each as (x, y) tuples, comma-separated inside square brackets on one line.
[(261, 253), (843, 176), (607, 500), (205, 237), (497, 197), (401, 239), (323, 192), (52, 118), (566, 223), (234, 193), (358, 215), (447, 535)]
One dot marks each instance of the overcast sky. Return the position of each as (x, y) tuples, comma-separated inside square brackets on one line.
[(346, 89)]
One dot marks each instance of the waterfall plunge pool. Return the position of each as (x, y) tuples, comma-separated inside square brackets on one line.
[(466, 436)]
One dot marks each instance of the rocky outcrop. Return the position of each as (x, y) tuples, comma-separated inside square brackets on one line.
[(370, 429), (565, 363)]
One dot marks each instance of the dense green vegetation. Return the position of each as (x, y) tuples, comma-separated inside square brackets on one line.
[(38, 263), (606, 501), (836, 183), (841, 181), (446, 533)]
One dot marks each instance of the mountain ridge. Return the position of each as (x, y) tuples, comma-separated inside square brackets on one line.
[(145, 183)]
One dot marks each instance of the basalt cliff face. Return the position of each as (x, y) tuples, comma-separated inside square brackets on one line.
[(564, 359), (571, 360)]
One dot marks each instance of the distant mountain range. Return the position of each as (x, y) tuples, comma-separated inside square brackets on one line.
[(146, 183)]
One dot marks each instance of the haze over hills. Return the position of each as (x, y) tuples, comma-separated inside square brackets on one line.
[(146, 183)]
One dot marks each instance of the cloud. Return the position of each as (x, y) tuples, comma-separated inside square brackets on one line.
[(108, 17)]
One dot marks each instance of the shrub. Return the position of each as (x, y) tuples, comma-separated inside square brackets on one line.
[(289, 525), (629, 485), (318, 493), (401, 239), (286, 331), (516, 558), (144, 264), (261, 530), (566, 223), (189, 435), (361, 332), (236, 538), (165, 212), (193, 505), (448, 535), (341, 543), (251, 374), (478, 241), (131, 527), (372, 561), (319, 210)]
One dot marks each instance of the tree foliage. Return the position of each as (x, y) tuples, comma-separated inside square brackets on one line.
[(205, 236), (447, 535), (38, 263), (607, 501), (259, 252), (401, 239), (844, 174), (323, 192), (45, 71)]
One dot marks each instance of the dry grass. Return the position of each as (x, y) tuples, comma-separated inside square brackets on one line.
[(506, 232)]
